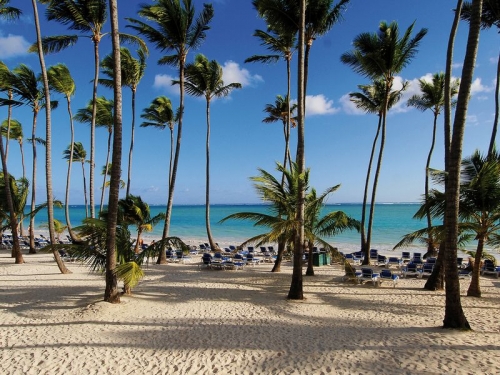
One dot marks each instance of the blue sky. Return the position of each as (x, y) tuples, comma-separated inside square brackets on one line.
[(338, 137)]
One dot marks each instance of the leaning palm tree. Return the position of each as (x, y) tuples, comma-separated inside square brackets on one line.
[(132, 73), (204, 78), (490, 17), (60, 81), (87, 17), (16, 132), (174, 28), (103, 118), (380, 56), (160, 115), (432, 98), (78, 155), (371, 100), (282, 111)]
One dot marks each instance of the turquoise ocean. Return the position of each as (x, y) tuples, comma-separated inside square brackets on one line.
[(392, 222)]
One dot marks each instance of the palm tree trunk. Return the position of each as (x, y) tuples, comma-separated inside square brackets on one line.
[(33, 185), (171, 156), (85, 190), (436, 279), (364, 248), (137, 242), (296, 287), (454, 315), (22, 158), (68, 177), (92, 127), (129, 174), (162, 259), (111, 293), (279, 256), (211, 241), (495, 121), (9, 117), (310, 268), (474, 287), (106, 170), (431, 251)]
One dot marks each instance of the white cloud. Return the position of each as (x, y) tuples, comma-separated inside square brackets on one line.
[(164, 82), (232, 73), (319, 105), (472, 120), (348, 106), (478, 87), (12, 46)]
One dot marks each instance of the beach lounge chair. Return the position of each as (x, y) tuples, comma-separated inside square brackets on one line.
[(373, 255), (250, 249), (427, 269), (394, 261), (411, 269), (350, 272), (387, 274), (489, 268), (206, 260), (405, 257), (417, 258), (252, 260), (381, 260), (369, 275), (352, 259), (464, 273)]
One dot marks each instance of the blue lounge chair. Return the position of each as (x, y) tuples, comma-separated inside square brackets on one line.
[(352, 259), (381, 260), (489, 268), (427, 269), (394, 261), (405, 257), (369, 275), (411, 269), (417, 258), (387, 274), (373, 255)]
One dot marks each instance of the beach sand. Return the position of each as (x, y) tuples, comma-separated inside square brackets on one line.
[(183, 320)]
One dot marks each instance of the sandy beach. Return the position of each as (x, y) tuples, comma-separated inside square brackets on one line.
[(184, 320)]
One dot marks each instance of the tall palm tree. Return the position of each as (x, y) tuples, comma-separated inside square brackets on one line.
[(160, 115), (490, 17), (454, 315), (61, 81), (432, 98), (174, 28), (282, 111), (380, 56), (78, 155), (204, 78), (16, 132), (283, 44), (7, 12), (371, 99), (132, 72), (87, 17), (103, 118)]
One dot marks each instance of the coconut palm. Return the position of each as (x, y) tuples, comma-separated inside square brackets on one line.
[(59, 228), (79, 155), (490, 17), (454, 315), (106, 172), (432, 98), (16, 133), (7, 12), (160, 115), (132, 71), (103, 118), (204, 78), (87, 17), (380, 56), (371, 100), (61, 81), (174, 28)]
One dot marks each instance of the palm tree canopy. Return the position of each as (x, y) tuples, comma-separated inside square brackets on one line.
[(175, 28), (282, 44), (7, 12), (60, 80), (104, 114), (204, 78), (16, 130), (159, 114), (432, 94), (371, 99), (132, 69), (383, 54), (489, 17), (279, 111), (79, 153)]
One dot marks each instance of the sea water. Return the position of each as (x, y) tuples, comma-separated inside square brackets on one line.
[(391, 223)]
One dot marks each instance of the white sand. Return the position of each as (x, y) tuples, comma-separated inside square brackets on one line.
[(182, 320)]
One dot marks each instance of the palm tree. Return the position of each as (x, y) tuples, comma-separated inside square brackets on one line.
[(60, 81), (431, 97), (490, 17), (7, 12), (132, 73), (103, 118), (106, 172), (454, 315), (175, 29), (380, 56), (78, 155), (137, 212), (371, 100), (86, 17), (282, 111), (160, 115), (204, 78), (16, 132)]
